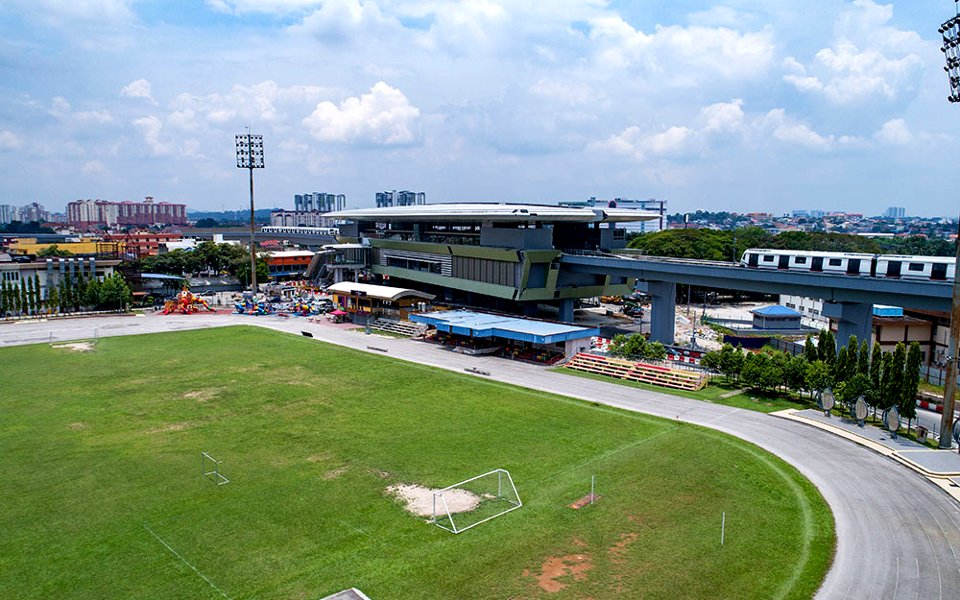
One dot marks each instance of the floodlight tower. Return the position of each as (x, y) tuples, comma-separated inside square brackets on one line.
[(950, 30), (250, 156)]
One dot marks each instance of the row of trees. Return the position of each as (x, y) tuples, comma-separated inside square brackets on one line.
[(636, 347), (69, 295), (712, 244), (206, 257), (884, 379)]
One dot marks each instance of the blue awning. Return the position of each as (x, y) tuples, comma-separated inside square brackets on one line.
[(481, 325)]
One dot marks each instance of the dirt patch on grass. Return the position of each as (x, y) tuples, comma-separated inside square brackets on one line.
[(171, 427), (315, 458), (203, 395), (334, 473), (77, 346), (78, 426), (585, 501), (554, 569), (419, 499), (617, 551)]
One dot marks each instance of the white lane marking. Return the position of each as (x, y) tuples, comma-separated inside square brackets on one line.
[(184, 561)]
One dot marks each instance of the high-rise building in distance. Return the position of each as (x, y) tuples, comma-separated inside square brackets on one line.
[(402, 198), (895, 212), (319, 201)]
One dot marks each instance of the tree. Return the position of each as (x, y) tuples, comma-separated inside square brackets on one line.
[(114, 294), (848, 391), (711, 360), (731, 361), (37, 301), (888, 393), (863, 360), (911, 384), (810, 350), (206, 222), (817, 376), (795, 373), (826, 347), (26, 287), (839, 366), (53, 300), (54, 251), (243, 270), (4, 298), (874, 396), (656, 351), (91, 294)]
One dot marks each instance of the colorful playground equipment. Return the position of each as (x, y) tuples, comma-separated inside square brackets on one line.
[(185, 303)]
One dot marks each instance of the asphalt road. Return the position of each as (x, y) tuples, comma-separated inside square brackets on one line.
[(898, 535)]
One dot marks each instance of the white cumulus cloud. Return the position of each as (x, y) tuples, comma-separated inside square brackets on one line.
[(138, 89), (152, 129), (868, 60), (382, 117), (9, 140)]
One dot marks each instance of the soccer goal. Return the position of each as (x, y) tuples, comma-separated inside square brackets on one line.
[(468, 503), (210, 468)]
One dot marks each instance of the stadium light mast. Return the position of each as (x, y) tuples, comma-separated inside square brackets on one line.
[(250, 156), (950, 30)]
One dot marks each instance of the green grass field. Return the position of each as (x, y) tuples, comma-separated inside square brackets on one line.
[(102, 495)]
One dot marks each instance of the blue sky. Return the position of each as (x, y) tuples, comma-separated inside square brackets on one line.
[(743, 105)]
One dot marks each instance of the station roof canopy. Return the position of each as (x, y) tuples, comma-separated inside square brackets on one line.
[(501, 213), (380, 292), (474, 324), (775, 311)]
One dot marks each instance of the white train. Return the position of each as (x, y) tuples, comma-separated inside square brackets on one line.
[(894, 266), (295, 230)]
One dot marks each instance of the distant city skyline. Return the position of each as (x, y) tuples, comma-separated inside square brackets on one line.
[(741, 105)]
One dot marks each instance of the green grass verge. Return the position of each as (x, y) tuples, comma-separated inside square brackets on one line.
[(716, 392), (102, 494)]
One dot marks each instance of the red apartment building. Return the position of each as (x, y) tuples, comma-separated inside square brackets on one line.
[(91, 214)]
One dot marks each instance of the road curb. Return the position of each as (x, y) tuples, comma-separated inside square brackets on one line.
[(940, 479)]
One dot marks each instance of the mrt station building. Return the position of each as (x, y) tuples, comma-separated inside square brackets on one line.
[(501, 256)]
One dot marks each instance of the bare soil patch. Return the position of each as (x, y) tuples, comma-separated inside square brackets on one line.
[(617, 551), (203, 395), (553, 569), (585, 501), (77, 346), (171, 427), (78, 426), (315, 458), (419, 499), (334, 473)]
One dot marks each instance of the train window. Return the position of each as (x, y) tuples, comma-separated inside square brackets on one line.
[(915, 267), (836, 262), (801, 260), (768, 258)]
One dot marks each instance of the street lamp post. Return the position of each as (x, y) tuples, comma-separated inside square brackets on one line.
[(950, 30), (250, 156)]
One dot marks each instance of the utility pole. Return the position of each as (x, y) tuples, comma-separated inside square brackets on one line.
[(950, 30), (250, 156)]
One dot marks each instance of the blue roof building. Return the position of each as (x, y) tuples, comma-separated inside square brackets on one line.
[(776, 317)]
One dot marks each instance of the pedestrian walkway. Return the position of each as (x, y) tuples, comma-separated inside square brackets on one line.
[(942, 467)]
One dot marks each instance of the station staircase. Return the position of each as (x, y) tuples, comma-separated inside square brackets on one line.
[(399, 327)]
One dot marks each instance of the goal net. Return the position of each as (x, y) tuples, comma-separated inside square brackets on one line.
[(476, 500)]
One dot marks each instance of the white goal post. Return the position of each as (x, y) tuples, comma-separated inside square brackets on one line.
[(210, 468), (466, 504)]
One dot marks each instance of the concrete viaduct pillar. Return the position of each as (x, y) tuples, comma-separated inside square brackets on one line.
[(663, 308), (566, 310), (853, 318)]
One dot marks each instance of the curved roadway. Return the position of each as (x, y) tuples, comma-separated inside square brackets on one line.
[(898, 535)]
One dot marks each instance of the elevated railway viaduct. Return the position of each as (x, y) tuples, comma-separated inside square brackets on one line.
[(849, 299)]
